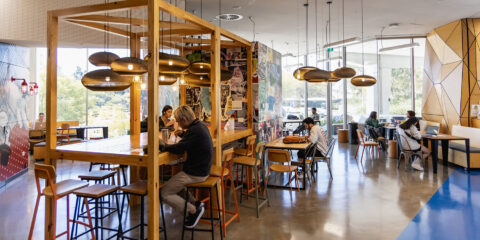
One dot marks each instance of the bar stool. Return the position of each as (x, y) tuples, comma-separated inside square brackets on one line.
[(224, 172), (247, 152), (209, 183), (98, 176), (55, 191), (254, 162), (95, 193), (140, 189)]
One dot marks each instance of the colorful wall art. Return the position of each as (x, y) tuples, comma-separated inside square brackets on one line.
[(13, 110)]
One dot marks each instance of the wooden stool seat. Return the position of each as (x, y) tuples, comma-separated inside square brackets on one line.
[(65, 187), (210, 182), (138, 188), (96, 191), (282, 168), (381, 138), (97, 175), (242, 152), (247, 161), (371, 143), (216, 171)]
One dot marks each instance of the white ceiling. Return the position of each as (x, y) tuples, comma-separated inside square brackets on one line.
[(280, 23), (283, 21)]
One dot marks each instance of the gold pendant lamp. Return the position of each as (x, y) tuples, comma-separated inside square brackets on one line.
[(299, 73), (101, 59), (199, 68), (317, 75), (197, 80), (167, 79), (105, 80), (169, 63), (344, 72), (363, 80)]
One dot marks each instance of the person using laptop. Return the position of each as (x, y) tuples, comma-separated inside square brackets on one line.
[(40, 124), (410, 139)]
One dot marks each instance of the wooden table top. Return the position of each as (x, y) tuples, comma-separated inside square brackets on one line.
[(444, 137), (278, 143), (126, 150)]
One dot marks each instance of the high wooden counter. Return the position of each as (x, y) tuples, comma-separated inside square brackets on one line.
[(126, 150)]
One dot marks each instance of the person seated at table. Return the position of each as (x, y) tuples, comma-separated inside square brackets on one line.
[(315, 115), (411, 114), (410, 139), (197, 142), (317, 137), (165, 121), (377, 132), (40, 123)]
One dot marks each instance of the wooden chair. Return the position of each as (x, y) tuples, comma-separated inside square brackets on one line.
[(34, 137), (255, 163), (53, 190), (282, 156), (63, 135), (224, 172), (366, 144)]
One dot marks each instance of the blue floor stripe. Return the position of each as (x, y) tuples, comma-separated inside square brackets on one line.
[(453, 212)]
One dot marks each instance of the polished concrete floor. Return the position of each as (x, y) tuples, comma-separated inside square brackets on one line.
[(374, 200)]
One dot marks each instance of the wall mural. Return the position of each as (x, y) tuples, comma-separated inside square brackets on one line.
[(266, 87), (451, 84), (13, 110)]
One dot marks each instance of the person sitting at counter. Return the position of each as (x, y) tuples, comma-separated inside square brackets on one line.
[(165, 121), (197, 142), (317, 137), (40, 124), (410, 137), (315, 115)]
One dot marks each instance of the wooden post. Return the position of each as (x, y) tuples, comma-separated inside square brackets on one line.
[(153, 171), (216, 124), (52, 43), (249, 87), (135, 102)]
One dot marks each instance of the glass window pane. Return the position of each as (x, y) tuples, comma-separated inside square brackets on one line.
[(419, 53)]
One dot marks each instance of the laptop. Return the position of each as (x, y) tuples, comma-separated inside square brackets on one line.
[(431, 131)]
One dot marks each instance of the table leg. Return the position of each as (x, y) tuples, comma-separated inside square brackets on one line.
[(304, 172), (467, 151), (445, 152), (105, 132), (434, 154)]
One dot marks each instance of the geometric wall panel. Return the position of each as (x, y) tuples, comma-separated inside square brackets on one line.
[(451, 70)]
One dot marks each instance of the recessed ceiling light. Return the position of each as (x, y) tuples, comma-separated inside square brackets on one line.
[(229, 17), (393, 25)]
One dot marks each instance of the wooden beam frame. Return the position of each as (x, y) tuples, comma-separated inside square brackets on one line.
[(154, 158), (135, 21)]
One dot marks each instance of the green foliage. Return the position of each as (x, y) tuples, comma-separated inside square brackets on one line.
[(400, 99)]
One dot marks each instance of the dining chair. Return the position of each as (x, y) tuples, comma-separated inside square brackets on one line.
[(282, 157), (370, 145)]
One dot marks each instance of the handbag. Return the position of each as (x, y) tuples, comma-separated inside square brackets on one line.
[(294, 139)]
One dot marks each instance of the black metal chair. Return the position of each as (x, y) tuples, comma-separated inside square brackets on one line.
[(407, 154)]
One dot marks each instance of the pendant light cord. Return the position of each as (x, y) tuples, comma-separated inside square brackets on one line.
[(363, 52), (306, 33), (316, 35)]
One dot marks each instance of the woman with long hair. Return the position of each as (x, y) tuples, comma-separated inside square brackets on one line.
[(410, 138)]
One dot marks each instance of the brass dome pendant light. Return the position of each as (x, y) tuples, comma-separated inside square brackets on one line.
[(200, 68), (344, 72), (317, 75), (170, 63), (105, 80), (363, 80), (129, 66), (101, 59), (167, 79)]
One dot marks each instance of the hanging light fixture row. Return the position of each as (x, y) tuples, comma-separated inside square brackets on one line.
[(31, 87)]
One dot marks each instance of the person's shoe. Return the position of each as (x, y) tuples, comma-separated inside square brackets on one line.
[(192, 219), (199, 204), (416, 164)]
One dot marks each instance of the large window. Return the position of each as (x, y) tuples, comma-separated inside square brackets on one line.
[(419, 54)]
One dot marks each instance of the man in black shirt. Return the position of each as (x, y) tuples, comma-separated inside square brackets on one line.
[(197, 142)]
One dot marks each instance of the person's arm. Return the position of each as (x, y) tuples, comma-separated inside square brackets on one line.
[(180, 147), (312, 136), (415, 133)]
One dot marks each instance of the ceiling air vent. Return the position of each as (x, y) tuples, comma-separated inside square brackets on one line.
[(229, 17)]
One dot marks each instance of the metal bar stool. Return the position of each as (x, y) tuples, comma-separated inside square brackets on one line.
[(95, 193), (140, 189), (209, 183), (254, 162), (99, 177), (54, 190)]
